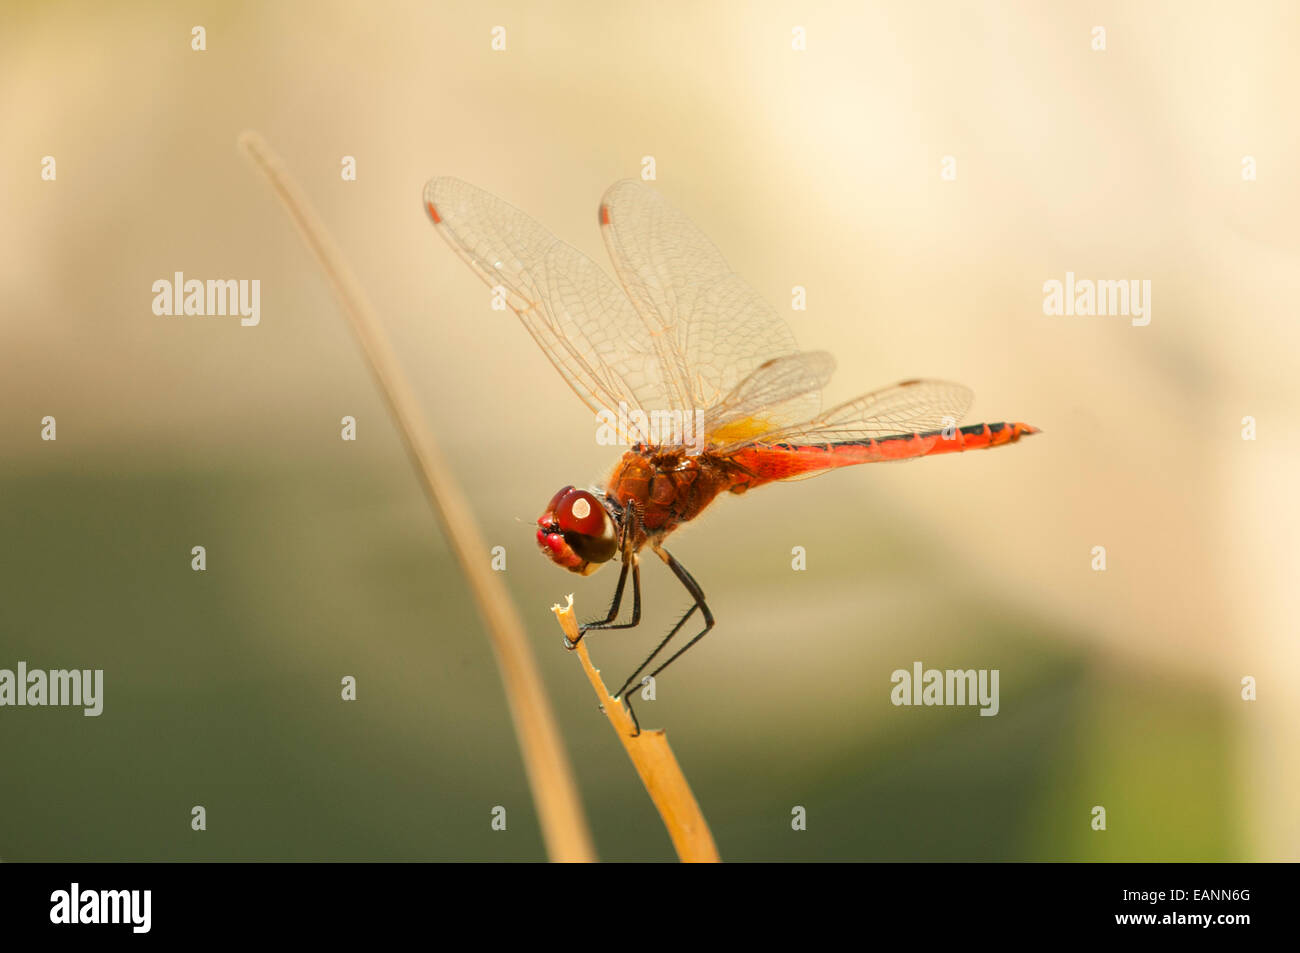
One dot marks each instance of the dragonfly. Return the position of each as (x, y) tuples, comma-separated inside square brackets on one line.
[(685, 365)]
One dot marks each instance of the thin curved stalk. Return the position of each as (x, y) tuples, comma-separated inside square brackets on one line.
[(564, 826)]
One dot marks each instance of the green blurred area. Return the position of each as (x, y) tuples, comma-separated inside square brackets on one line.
[(222, 688)]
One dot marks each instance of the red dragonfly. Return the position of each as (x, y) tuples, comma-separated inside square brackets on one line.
[(688, 367)]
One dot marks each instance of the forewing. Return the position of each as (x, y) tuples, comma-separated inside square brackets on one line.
[(711, 329), (579, 317)]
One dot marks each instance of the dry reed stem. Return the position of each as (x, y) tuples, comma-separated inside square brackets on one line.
[(653, 760), (564, 826)]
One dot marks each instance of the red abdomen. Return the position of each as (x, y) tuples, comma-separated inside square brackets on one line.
[(783, 461)]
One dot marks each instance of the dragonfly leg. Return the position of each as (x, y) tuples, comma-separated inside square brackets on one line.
[(608, 621), (697, 594)]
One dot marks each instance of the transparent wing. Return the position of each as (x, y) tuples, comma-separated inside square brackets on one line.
[(773, 394), (579, 317), (912, 407), (712, 330)]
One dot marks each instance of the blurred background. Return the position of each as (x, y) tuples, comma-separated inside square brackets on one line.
[(819, 168)]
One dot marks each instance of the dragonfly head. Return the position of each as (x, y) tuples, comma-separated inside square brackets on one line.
[(577, 532)]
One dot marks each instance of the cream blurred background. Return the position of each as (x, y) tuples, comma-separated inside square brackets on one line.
[(817, 168)]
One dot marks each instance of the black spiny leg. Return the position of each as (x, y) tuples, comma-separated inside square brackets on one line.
[(697, 594), (608, 622)]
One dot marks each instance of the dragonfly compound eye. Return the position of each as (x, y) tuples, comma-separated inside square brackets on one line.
[(576, 531), (586, 526)]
